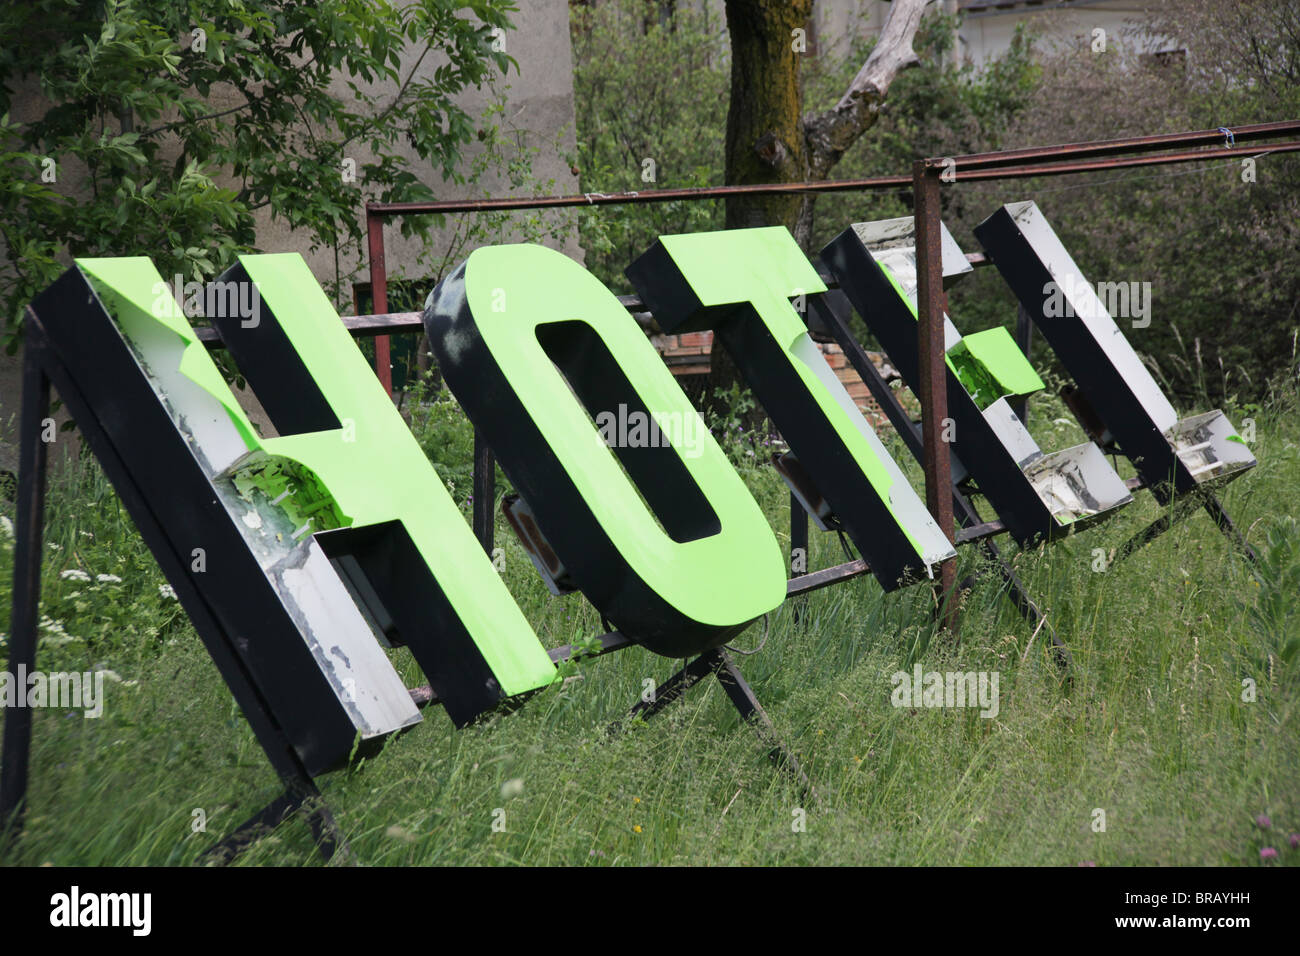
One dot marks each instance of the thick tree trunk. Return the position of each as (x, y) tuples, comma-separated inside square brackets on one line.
[(765, 139), (768, 139)]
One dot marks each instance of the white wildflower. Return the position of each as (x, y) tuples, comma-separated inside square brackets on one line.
[(57, 635), (60, 641), (74, 574), (167, 591), (108, 579)]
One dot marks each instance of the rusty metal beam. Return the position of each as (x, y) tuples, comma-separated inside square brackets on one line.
[(379, 296), (933, 380), (1032, 157), (1116, 147), (387, 209), (816, 580), (957, 174)]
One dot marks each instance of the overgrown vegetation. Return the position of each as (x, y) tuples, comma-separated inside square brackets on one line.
[(650, 99), (163, 126), (1179, 716), (1218, 245), (1154, 726), (656, 88), (1217, 241)]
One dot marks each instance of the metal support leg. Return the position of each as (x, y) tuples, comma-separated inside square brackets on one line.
[(741, 695), (933, 385), (1024, 339), (379, 296), (29, 534), (1179, 510), (968, 516), (743, 699), (1174, 512), (674, 687), (798, 549), (300, 797), (1215, 510)]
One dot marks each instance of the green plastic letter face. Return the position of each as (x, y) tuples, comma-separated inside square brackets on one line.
[(347, 468), (740, 282), (165, 424), (626, 486)]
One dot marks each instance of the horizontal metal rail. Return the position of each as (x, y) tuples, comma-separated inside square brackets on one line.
[(1023, 163), (958, 174), (688, 194), (411, 323), (1115, 147)]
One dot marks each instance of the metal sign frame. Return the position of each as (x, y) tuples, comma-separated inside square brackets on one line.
[(44, 366)]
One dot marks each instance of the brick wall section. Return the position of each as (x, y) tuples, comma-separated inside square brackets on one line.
[(688, 354)]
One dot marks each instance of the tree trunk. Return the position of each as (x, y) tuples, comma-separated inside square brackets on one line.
[(765, 139), (768, 140)]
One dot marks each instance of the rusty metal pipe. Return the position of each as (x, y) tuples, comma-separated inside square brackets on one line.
[(629, 198), (1114, 147), (933, 382), (379, 297), (1121, 162)]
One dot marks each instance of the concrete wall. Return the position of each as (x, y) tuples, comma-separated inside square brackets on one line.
[(539, 101)]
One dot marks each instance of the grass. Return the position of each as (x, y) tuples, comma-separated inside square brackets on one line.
[(1152, 729)]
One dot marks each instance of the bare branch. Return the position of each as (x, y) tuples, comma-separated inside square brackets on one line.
[(829, 134)]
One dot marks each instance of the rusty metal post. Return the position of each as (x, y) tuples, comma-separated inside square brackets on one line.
[(933, 379), (379, 295)]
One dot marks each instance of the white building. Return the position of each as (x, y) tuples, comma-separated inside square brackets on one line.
[(987, 25)]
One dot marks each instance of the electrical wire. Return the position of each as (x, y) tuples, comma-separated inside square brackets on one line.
[(844, 543), (767, 624)]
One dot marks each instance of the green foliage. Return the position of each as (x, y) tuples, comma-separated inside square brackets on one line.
[(658, 89), (1274, 616), (646, 91), (169, 123), (933, 109), (1218, 250), (447, 437), (1153, 727)]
